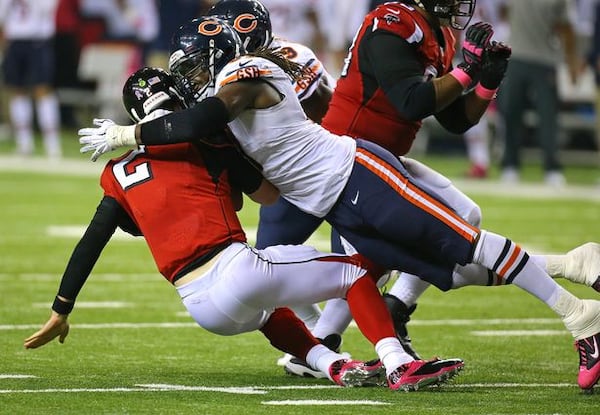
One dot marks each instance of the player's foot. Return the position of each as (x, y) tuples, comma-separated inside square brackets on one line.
[(419, 373), (582, 265), (401, 315), (477, 171), (353, 373), (589, 361), (298, 367), (283, 360)]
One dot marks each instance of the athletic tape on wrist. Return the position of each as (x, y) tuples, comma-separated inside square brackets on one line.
[(485, 93), (62, 307), (461, 76)]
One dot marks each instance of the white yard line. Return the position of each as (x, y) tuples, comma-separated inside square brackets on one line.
[(84, 167), (473, 322), (263, 390)]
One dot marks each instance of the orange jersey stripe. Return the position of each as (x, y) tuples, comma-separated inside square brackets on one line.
[(250, 72), (415, 195), (511, 261)]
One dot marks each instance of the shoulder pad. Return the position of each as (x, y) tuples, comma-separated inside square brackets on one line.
[(400, 19)]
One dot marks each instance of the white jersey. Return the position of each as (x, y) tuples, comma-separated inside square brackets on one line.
[(304, 56), (309, 165), (28, 19)]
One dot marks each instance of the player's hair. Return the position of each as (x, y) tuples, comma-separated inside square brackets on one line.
[(293, 69)]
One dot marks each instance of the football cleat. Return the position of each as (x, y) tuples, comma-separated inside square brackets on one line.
[(400, 316), (298, 367), (354, 373), (283, 360), (419, 373), (589, 361)]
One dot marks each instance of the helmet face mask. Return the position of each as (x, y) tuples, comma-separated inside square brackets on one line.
[(199, 50), (149, 89), (249, 18), (457, 12)]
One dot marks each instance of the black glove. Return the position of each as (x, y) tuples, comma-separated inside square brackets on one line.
[(494, 65), (476, 40)]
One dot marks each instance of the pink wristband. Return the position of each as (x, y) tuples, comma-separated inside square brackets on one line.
[(461, 76), (484, 93)]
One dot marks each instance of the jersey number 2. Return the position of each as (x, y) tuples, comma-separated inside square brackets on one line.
[(127, 177)]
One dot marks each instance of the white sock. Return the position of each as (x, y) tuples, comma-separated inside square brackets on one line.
[(408, 288), (512, 263), (321, 358), (334, 319), (49, 119), (21, 115), (391, 354)]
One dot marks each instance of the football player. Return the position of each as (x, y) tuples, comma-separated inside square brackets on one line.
[(179, 198), (361, 189), (282, 223)]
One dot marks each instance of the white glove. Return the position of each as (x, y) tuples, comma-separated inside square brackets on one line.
[(106, 137)]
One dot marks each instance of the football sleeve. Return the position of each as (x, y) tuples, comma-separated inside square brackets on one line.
[(87, 251), (399, 74)]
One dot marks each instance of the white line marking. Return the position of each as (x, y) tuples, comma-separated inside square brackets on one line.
[(96, 277), (76, 231), (244, 390), (91, 304), (7, 376), (175, 325), (512, 333), (106, 326), (311, 402), (261, 390)]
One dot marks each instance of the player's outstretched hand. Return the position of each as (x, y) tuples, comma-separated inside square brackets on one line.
[(105, 137), (57, 325)]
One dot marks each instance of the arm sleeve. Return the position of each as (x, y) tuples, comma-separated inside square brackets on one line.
[(454, 117), (90, 246), (400, 74), (206, 119)]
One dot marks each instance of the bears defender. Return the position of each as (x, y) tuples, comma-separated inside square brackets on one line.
[(361, 189), (282, 223), (179, 197)]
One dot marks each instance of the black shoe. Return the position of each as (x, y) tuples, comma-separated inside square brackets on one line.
[(401, 315)]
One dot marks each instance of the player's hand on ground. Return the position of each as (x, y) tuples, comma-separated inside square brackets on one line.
[(494, 65), (476, 40), (56, 326)]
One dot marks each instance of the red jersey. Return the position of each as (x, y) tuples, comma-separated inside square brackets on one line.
[(359, 107), (181, 210)]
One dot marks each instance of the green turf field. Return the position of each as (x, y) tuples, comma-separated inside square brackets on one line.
[(133, 350)]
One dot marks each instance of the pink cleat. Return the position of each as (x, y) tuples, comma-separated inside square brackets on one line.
[(589, 361), (416, 374), (352, 373)]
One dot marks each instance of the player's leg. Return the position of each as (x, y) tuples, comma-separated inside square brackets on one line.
[(284, 224), (233, 296), (47, 106), (580, 317)]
